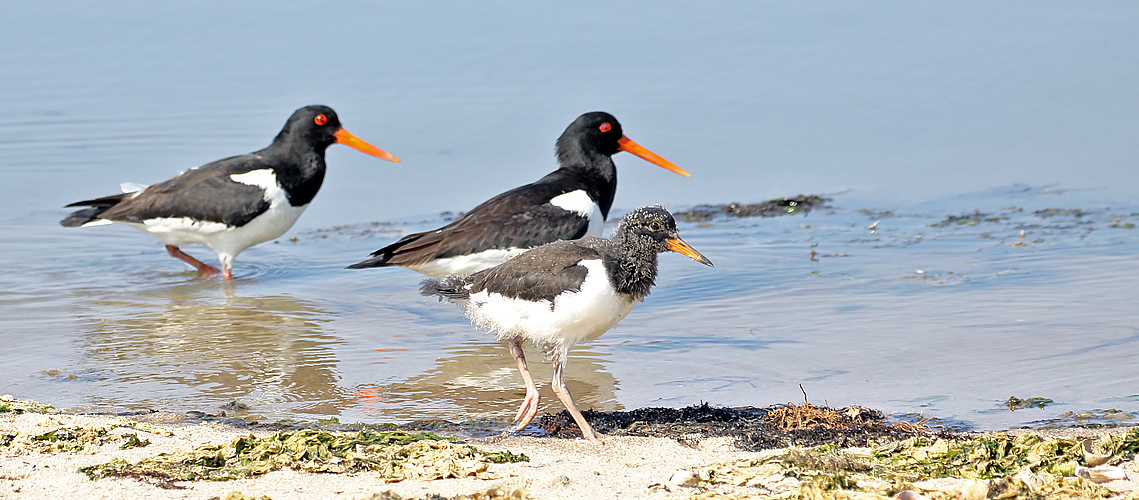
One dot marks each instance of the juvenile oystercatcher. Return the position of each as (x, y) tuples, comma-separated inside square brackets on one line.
[(564, 293), (232, 204), (569, 203)]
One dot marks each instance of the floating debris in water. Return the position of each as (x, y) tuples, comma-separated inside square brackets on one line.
[(393, 455), (969, 219), (1014, 403), (770, 208), (1059, 212), (753, 428)]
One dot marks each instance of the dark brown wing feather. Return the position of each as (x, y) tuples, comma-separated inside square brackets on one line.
[(539, 274), (519, 218), (206, 193)]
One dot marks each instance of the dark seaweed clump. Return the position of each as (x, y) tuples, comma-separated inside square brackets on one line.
[(753, 428), (770, 208)]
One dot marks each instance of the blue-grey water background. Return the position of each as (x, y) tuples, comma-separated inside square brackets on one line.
[(1012, 116)]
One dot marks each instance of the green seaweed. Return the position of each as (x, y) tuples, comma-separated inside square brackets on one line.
[(394, 455), (132, 441), (503, 457), (999, 466), (9, 404)]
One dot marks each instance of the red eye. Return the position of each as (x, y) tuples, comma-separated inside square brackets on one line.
[(321, 120), (605, 127)]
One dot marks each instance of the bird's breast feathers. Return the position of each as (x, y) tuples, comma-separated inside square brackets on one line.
[(572, 318)]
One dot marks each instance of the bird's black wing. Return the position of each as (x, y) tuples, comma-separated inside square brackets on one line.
[(520, 218), (206, 193)]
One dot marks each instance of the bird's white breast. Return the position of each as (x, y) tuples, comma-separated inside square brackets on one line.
[(576, 317)]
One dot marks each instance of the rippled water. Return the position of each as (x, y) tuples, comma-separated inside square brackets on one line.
[(906, 116)]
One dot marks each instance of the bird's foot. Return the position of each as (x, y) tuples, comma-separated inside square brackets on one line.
[(206, 270), (527, 411)]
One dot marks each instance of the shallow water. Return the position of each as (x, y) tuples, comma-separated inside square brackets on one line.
[(906, 116)]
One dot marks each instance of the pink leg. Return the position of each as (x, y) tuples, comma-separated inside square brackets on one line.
[(207, 270), (529, 407), (563, 393)]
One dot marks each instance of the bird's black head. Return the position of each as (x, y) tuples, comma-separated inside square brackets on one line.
[(595, 136), (318, 127), (597, 131), (654, 228), (313, 125)]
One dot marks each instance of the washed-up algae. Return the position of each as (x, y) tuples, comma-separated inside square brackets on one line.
[(9, 404), (991, 466), (67, 439), (393, 455), (491, 494), (753, 428)]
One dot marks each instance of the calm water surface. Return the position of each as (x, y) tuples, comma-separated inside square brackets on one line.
[(905, 115)]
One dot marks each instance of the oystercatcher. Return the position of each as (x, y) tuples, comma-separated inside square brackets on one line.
[(564, 293), (569, 203), (232, 204)]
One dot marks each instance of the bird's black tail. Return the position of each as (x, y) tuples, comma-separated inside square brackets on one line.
[(411, 250), (453, 288), (97, 206), (379, 258)]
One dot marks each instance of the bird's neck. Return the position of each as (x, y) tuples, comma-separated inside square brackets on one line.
[(299, 168), (594, 170), (634, 273)]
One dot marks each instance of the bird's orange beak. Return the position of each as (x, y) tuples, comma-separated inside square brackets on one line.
[(626, 144), (682, 247), (347, 139)]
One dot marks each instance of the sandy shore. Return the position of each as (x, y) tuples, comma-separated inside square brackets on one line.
[(624, 467)]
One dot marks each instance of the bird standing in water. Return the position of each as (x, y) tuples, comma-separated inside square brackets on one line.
[(232, 204), (568, 203), (565, 293)]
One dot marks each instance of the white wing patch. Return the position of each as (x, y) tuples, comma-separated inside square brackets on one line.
[(133, 187), (466, 264), (263, 178), (577, 201)]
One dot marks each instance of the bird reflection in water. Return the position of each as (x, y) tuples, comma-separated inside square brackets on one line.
[(479, 380), (181, 348)]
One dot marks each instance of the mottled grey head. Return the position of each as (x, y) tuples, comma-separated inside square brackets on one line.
[(653, 227)]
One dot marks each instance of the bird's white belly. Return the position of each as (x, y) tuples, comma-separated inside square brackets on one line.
[(225, 240), (576, 317)]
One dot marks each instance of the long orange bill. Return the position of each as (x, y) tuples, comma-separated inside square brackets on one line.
[(626, 144), (347, 139), (682, 247)]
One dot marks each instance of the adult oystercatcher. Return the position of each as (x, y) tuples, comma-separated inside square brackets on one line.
[(569, 203), (564, 293), (232, 204)]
